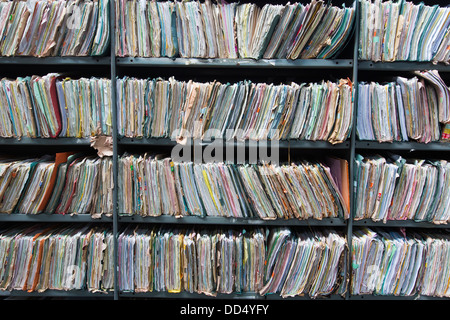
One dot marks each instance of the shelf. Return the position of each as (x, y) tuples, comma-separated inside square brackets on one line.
[(188, 295), (236, 63), (331, 222), (403, 145), (221, 296), (398, 223), (43, 217), (390, 297), (293, 144), (57, 293), (45, 141), (401, 66), (104, 61)]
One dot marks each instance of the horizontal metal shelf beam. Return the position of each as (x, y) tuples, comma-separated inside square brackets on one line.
[(403, 145), (398, 223), (234, 296), (391, 297), (188, 295), (402, 66), (237, 63), (105, 61), (45, 141), (43, 217), (337, 222), (56, 293), (293, 144)]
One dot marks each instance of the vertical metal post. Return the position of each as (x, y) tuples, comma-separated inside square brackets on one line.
[(112, 24), (352, 146)]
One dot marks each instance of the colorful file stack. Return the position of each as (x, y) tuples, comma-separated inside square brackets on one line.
[(154, 186), (54, 28), (68, 183), (415, 109), (52, 106), (244, 110), (39, 258), (398, 189), (400, 263), (404, 31), (191, 29), (279, 261)]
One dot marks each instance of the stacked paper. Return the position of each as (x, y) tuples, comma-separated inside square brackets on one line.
[(52, 106), (278, 261), (398, 189), (404, 31), (191, 29), (54, 28), (243, 110), (154, 186), (400, 263), (407, 109), (69, 183), (40, 258)]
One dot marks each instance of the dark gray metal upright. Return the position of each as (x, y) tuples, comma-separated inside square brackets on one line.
[(352, 148), (112, 23)]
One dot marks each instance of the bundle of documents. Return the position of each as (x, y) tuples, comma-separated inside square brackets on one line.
[(52, 106), (243, 110), (209, 262), (45, 28), (67, 183), (404, 31), (40, 258), (190, 29), (398, 189), (414, 108), (154, 186), (400, 263)]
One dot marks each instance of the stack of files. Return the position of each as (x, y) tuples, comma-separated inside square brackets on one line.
[(394, 188), (52, 106), (400, 263), (407, 109), (244, 110), (45, 28), (404, 31), (190, 29), (87, 188), (211, 262), (155, 186), (67, 183), (39, 258)]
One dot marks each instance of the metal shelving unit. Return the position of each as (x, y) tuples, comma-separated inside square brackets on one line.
[(119, 65)]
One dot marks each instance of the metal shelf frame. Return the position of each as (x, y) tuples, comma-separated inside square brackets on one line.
[(171, 220), (403, 145), (293, 144), (401, 66), (235, 63), (122, 65), (44, 141), (87, 61), (45, 217)]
